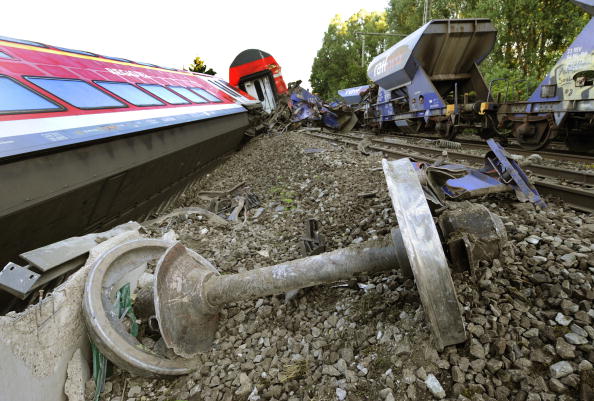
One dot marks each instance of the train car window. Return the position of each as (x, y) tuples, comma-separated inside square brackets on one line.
[(207, 95), (76, 92), (17, 98), (188, 94), (221, 87), (227, 89), (130, 93), (4, 55), (23, 42), (163, 93), (65, 49)]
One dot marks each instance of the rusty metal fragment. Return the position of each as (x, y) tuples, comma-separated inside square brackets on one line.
[(312, 242)]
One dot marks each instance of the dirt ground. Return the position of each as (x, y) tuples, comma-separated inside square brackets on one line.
[(528, 314)]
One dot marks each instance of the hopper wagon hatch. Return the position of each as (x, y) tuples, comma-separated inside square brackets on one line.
[(88, 141)]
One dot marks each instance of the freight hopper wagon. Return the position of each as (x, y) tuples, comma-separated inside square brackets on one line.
[(430, 80), (88, 141), (257, 73), (563, 103)]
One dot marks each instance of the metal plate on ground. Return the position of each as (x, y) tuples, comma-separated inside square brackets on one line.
[(425, 252), (17, 280)]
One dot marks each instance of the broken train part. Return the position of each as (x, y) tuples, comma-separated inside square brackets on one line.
[(49, 265), (309, 108), (189, 292), (40, 344), (500, 174), (259, 74)]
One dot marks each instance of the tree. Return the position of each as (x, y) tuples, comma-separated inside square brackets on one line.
[(200, 66), (532, 34), (337, 64)]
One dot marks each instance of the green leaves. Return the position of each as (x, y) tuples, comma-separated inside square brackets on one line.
[(532, 35), (338, 62), (200, 66)]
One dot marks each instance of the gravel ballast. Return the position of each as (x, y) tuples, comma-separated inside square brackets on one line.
[(528, 314)]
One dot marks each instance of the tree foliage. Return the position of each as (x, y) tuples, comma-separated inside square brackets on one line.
[(532, 35), (200, 66), (337, 64)]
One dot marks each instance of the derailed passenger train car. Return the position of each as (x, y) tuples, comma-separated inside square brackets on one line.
[(87, 141)]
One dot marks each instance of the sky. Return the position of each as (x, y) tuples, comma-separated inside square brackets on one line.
[(172, 33)]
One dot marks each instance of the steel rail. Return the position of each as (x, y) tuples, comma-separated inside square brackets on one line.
[(576, 198), (578, 177)]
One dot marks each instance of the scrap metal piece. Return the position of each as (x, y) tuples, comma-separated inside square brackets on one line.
[(472, 233), (58, 253), (511, 173), (18, 280), (101, 315), (312, 242), (60, 270), (456, 181), (187, 321), (425, 253)]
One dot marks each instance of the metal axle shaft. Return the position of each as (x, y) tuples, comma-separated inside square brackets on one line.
[(314, 270)]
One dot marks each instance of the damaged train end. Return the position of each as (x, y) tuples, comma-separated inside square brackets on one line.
[(258, 73)]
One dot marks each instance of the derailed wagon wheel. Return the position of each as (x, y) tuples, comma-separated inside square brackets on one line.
[(582, 143), (105, 328), (451, 131), (425, 253), (534, 135)]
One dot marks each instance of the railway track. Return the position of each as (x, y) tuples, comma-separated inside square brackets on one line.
[(563, 155), (576, 196)]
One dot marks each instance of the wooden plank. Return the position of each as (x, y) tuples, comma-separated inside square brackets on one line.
[(425, 253)]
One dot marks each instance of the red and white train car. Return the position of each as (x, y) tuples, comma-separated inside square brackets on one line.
[(258, 73), (87, 141)]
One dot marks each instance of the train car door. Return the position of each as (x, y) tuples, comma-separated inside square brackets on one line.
[(260, 89)]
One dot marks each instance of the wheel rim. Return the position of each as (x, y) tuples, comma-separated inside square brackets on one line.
[(536, 141)]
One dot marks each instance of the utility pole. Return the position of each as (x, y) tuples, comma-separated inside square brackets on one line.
[(363, 34), (427, 11)]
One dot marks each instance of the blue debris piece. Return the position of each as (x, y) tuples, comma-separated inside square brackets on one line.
[(510, 173), (499, 174), (353, 95), (307, 106)]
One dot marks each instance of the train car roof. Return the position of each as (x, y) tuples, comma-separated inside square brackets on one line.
[(82, 53)]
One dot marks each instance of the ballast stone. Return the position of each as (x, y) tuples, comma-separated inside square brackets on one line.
[(434, 386), (560, 369)]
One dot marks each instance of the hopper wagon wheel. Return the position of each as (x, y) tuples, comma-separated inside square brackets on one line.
[(582, 142), (451, 131), (533, 135)]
